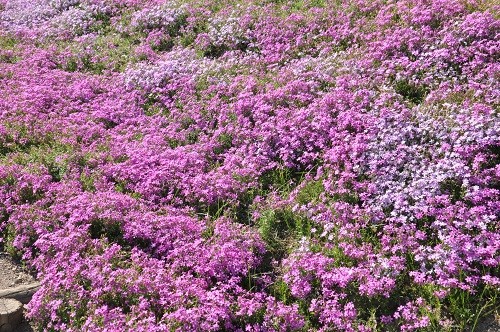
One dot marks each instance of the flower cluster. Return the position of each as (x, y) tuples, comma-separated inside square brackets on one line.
[(158, 17), (253, 166)]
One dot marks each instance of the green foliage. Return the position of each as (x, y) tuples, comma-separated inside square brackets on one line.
[(103, 23), (216, 209), (299, 5), (7, 42), (281, 291), (121, 187), (21, 138), (152, 106), (208, 232), (335, 252), (84, 63), (109, 229), (225, 143), (351, 198), (192, 136), (8, 180), (74, 314), (164, 45), (29, 195), (311, 192), (71, 65), (453, 187), (467, 309), (117, 50), (214, 51), (87, 182), (187, 40), (280, 179), (175, 29), (108, 51), (9, 234), (55, 156), (369, 234), (412, 92), (281, 229)]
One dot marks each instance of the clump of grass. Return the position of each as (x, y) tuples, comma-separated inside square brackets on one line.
[(109, 229), (410, 91), (280, 179), (7, 42), (281, 229), (311, 192)]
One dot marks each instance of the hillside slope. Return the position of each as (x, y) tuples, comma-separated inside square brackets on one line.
[(301, 165)]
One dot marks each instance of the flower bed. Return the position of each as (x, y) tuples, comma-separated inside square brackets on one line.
[(252, 165)]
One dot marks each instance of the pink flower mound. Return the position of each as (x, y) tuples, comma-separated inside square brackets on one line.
[(252, 166)]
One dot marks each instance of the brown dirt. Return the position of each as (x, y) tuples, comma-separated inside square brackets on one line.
[(490, 324), (13, 274)]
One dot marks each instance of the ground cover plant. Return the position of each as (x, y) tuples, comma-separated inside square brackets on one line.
[(259, 165)]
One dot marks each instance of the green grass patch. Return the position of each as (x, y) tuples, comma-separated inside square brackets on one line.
[(281, 229), (412, 92), (311, 192), (7, 42)]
